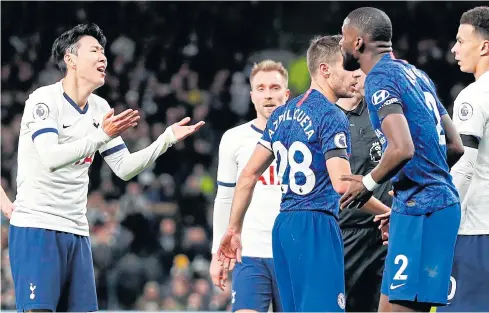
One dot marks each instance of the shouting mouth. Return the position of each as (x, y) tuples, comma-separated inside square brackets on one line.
[(101, 69)]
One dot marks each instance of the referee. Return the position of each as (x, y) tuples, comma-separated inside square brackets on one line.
[(364, 252)]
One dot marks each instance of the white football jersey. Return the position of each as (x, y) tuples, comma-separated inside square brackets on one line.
[(471, 117), (56, 198), (236, 148)]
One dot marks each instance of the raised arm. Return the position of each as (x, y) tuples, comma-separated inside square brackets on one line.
[(126, 165), (41, 121)]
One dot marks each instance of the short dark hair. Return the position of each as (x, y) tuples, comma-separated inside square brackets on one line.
[(372, 22), (322, 49), (479, 18), (69, 41)]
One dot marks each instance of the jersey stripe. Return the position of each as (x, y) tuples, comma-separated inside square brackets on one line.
[(220, 183), (303, 98), (44, 130), (113, 150)]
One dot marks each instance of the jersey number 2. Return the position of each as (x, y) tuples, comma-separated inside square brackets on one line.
[(432, 105), (401, 258), (303, 167)]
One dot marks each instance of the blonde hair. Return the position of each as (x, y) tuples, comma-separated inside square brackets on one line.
[(270, 66)]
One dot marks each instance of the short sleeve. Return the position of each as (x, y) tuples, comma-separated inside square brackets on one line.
[(382, 94), (40, 115), (335, 134), (469, 116)]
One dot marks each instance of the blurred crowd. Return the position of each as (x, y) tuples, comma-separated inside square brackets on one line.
[(151, 236)]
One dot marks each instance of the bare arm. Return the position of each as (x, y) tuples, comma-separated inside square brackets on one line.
[(339, 167), (400, 148), (375, 207), (399, 151), (455, 147)]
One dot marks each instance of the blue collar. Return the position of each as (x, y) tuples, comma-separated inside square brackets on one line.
[(73, 103), (256, 129)]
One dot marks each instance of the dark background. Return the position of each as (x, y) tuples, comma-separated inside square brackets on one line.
[(151, 237)]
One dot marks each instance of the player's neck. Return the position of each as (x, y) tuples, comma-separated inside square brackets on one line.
[(76, 90), (482, 67), (260, 122), (369, 59), (326, 91), (349, 104)]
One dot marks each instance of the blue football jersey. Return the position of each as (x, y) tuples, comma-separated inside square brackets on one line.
[(424, 184), (300, 134)]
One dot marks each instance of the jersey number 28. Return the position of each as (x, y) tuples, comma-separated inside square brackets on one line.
[(303, 167)]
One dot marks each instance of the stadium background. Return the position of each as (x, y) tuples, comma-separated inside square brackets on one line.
[(151, 236)]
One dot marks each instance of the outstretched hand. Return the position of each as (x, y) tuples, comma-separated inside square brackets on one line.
[(218, 273), (115, 125), (229, 251), (181, 130)]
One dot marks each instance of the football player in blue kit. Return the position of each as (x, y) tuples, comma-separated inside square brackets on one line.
[(309, 137), (420, 145)]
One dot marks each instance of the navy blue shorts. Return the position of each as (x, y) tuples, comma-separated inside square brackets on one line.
[(309, 262), (469, 288), (255, 286), (420, 255), (51, 270)]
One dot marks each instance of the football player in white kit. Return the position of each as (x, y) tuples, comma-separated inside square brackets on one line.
[(63, 125), (253, 281), (469, 290)]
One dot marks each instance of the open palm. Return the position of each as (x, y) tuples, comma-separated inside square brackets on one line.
[(181, 130)]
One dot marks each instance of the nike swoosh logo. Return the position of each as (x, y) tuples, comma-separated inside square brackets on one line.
[(64, 126), (396, 286)]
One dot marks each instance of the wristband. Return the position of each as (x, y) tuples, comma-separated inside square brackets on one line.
[(369, 182)]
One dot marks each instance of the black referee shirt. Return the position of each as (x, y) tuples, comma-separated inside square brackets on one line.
[(366, 152)]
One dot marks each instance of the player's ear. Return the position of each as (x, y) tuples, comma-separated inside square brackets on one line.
[(359, 43), (485, 48), (324, 70), (287, 95), (69, 60)]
